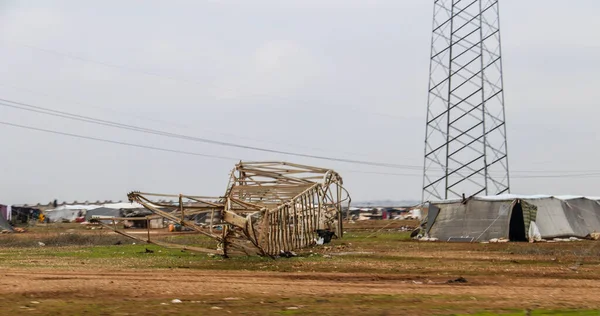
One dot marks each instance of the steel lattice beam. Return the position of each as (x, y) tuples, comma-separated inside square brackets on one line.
[(465, 141)]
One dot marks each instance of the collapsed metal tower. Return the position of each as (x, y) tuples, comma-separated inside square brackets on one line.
[(465, 138), (268, 208)]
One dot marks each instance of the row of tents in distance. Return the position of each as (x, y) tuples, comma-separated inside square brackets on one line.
[(477, 219), (66, 213)]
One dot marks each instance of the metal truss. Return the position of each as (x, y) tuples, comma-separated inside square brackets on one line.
[(268, 208), (465, 140)]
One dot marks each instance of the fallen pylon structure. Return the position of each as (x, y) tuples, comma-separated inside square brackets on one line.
[(268, 208)]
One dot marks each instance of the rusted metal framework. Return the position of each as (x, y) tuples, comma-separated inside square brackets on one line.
[(268, 208)]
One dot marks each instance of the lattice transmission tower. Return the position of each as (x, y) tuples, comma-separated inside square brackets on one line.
[(465, 141)]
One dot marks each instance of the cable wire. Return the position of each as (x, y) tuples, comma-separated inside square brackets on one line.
[(88, 119), (237, 159), (117, 142)]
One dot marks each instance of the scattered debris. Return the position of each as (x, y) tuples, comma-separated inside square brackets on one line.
[(416, 233), (406, 228), (564, 239), (41, 244), (176, 301), (326, 235), (459, 280), (232, 299), (293, 308), (594, 236), (216, 307), (499, 240), (287, 254), (428, 239), (575, 267), (34, 302)]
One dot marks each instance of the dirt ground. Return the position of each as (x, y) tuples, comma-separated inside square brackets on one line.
[(366, 273)]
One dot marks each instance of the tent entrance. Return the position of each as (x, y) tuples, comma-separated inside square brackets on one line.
[(516, 230)]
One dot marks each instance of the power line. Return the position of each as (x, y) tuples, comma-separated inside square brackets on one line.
[(117, 142), (238, 159), (582, 175), (176, 124), (87, 119), (71, 116)]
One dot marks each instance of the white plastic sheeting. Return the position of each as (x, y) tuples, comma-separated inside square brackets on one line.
[(76, 207), (102, 212), (534, 232), (120, 206), (70, 212)]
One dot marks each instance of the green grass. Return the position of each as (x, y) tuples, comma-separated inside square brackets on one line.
[(365, 252)]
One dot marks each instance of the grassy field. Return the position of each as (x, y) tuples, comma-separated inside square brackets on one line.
[(374, 270)]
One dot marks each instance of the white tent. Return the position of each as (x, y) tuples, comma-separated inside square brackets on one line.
[(67, 212)]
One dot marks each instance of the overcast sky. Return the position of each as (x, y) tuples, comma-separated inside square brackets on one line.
[(339, 78)]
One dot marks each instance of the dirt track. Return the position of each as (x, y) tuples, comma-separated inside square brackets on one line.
[(168, 284), (363, 274)]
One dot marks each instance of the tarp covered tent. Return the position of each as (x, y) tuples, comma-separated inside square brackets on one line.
[(102, 212), (511, 216), (68, 212), (62, 215)]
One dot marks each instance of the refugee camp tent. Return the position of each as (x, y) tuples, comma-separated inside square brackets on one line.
[(22, 215), (68, 213), (517, 218), (102, 212), (62, 215)]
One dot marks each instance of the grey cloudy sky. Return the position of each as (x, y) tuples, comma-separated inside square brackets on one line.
[(343, 78)]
